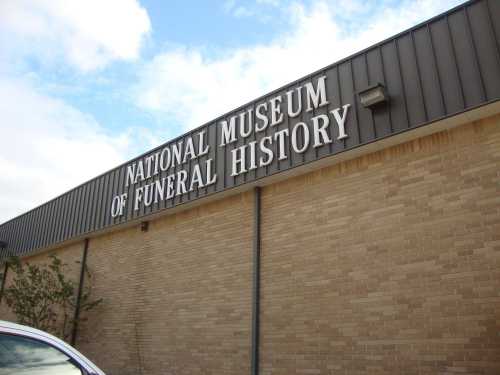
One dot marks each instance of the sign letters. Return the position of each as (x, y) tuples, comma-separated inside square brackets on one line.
[(178, 168)]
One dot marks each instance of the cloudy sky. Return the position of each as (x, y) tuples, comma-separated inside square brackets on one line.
[(88, 84)]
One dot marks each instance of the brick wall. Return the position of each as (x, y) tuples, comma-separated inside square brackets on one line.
[(178, 297), (386, 264)]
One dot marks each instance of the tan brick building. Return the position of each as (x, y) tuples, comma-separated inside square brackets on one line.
[(380, 256)]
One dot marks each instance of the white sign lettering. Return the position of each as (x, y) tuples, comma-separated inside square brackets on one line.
[(177, 169)]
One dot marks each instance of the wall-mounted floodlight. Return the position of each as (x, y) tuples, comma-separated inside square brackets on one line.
[(373, 95)]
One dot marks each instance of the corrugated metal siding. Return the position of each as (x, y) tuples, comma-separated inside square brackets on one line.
[(437, 69)]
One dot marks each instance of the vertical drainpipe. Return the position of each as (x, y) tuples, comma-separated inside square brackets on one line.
[(4, 279), (3, 246), (80, 291), (256, 284)]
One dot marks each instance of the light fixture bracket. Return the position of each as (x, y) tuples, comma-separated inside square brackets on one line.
[(373, 95)]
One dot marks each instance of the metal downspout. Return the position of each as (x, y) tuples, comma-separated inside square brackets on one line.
[(80, 291), (256, 284)]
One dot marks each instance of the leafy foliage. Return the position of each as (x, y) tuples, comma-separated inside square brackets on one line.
[(42, 297)]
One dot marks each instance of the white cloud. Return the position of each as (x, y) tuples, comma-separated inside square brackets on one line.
[(257, 12), (49, 147), (88, 34), (237, 11), (193, 87), (242, 11)]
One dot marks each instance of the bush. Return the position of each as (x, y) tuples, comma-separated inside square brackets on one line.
[(42, 296)]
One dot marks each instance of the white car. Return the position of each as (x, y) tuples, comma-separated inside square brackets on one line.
[(29, 351)]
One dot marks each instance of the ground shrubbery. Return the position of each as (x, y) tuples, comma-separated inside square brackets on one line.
[(41, 296)]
